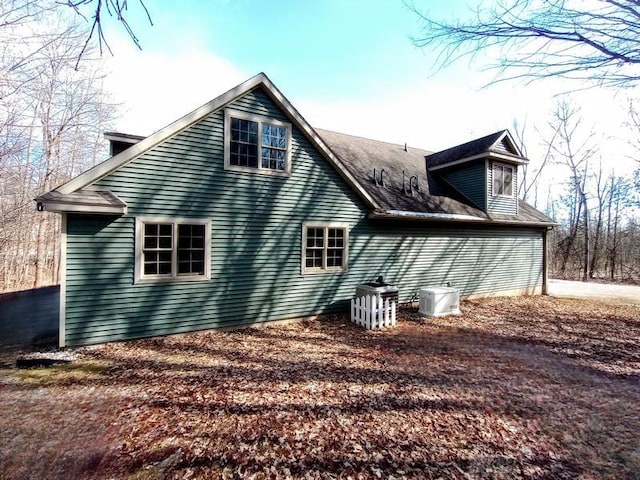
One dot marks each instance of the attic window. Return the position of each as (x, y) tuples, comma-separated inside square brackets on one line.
[(254, 143), (502, 180)]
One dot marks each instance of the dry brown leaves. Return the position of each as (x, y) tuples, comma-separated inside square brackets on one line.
[(513, 388)]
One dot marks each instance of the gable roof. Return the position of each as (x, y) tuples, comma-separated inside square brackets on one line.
[(434, 199), (354, 158), (498, 145), (261, 80)]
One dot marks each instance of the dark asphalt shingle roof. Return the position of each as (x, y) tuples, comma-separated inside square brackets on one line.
[(359, 156), (479, 146)]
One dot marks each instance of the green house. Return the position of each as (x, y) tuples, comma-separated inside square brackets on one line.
[(241, 213)]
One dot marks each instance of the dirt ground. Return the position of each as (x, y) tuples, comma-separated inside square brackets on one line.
[(595, 290), (532, 387)]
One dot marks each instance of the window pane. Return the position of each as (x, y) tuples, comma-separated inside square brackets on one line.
[(315, 237), (314, 258), (273, 159), (274, 136), (197, 241), (235, 129), (335, 238), (252, 156), (157, 263), (191, 249), (164, 268), (157, 236), (243, 148), (150, 242), (507, 188), (334, 257), (151, 263), (164, 242)]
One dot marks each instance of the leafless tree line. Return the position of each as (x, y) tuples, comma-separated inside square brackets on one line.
[(598, 235), (52, 115), (596, 43)]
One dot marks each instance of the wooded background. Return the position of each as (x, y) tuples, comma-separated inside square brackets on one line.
[(54, 109)]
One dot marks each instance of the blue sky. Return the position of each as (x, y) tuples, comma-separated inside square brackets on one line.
[(347, 65), (333, 47)]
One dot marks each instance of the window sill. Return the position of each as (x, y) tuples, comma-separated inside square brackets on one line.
[(257, 171), (152, 280), (320, 272)]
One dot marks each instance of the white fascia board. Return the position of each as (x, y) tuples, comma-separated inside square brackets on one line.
[(63, 207), (511, 141), (492, 155), (450, 217), (434, 216), (62, 312), (118, 161)]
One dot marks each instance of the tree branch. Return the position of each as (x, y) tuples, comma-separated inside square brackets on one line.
[(597, 41)]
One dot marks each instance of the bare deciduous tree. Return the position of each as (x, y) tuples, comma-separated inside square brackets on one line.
[(595, 40), (574, 150), (48, 130), (115, 9)]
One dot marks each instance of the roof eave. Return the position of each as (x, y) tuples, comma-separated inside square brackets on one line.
[(452, 218), (70, 207), (480, 156), (93, 174)]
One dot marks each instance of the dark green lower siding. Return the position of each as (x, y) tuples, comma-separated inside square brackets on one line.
[(257, 277)]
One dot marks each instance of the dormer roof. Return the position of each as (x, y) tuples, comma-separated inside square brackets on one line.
[(432, 200), (499, 145)]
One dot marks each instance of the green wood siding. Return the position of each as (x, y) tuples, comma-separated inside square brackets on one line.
[(469, 180), (501, 204), (256, 229), (475, 260)]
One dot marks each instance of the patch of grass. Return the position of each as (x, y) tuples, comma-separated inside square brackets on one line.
[(62, 374)]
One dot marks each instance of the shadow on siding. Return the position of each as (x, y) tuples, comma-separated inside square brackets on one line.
[(30, 318)]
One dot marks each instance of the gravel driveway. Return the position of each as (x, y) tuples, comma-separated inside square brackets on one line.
[(604, 291)]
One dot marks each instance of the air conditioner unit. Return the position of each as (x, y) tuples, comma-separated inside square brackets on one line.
[(439, 301), (378, 289)]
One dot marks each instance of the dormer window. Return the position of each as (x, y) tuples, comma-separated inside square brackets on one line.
[(502, 180), (254, 143)]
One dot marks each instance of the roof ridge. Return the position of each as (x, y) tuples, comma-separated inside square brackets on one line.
[(372, 139)]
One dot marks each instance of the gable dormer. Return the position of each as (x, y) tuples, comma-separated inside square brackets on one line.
[(484, 171)]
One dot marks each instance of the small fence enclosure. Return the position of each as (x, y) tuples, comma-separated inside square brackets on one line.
[(372, 312)]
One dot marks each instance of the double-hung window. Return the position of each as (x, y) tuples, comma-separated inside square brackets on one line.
[(502, 180), (254, 143), (325, 247), (172, 249)]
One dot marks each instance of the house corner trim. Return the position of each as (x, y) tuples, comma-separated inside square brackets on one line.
[(63, 281)]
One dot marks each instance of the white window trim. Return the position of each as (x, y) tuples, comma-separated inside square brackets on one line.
[(140, 277), (260, 119), (345, 253), (493, 179)]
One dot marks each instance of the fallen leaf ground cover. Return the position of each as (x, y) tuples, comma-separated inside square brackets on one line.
[(532, 387)]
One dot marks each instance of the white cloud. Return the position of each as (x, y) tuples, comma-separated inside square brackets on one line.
[(155, 88)]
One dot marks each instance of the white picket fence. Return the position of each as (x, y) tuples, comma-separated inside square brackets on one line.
[(372, 312)]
